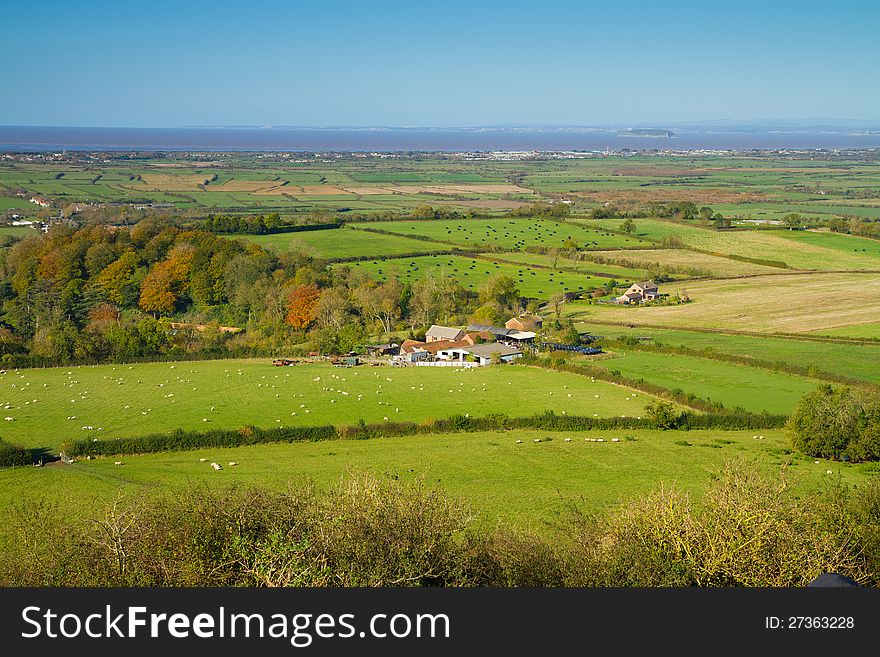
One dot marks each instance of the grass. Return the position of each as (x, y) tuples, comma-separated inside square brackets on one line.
[(857, 361), (683, 260), (866, 330), (733, 385), (525, 484), (510, 233), (818, 250), (581, 266), (473, 273), (126, 400), (343, 243), (798, 303)]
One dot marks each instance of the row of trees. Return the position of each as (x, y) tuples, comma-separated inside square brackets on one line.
[(104, 292)]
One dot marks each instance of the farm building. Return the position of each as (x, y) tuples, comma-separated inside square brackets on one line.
[(639, 293), (507, 336), (436, 333), (524, 323), (482, 353), (389, 349)]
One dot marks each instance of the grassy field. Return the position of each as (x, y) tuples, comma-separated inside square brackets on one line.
[(756, 390), (344, 243), (525, 484), (50, 405), (473, 273), (797, 303), (866, 330), (858, 361), (588, 267), (17, 231), (510, 233), (682, 259), (797, 249)]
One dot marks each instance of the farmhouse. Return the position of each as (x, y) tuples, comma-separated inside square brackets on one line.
[(524, 323), (639, 293), (437, 333)]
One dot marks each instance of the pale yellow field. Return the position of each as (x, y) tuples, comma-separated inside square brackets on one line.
[(247, 185), (794, 303), (715, 265), (305, 190)]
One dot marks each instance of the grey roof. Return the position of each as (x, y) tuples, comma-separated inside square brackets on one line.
[(444, 332), (486, 350), (494, 330)]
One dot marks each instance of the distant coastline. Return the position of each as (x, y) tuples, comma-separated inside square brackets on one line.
[(51, 139)]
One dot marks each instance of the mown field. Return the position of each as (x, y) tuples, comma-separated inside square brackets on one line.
[(868, 330), (473, 273), (857, 361), (756, 390), (344, 243), (48, 406), (794, 303), (525, 484)]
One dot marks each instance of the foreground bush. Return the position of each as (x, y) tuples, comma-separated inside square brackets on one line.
[(747, 531)]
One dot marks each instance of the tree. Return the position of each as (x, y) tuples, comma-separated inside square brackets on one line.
[(501, 292), (837, 423), (662, 414), (793, 221), (380, 302), (628, 226), (556, 300), (334, 309), (302, 304)]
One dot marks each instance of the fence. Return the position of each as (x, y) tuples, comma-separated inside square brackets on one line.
[(552, 346)]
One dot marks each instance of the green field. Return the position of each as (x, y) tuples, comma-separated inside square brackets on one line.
[(525, 484), (754, 389), (17, 231), (510, 233), (870, 330), (473, 273), (797, 249), (344, 243), (858, 361), (580, 266), (126, 400)]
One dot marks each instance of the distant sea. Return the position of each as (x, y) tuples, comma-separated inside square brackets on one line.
[(41, 139)]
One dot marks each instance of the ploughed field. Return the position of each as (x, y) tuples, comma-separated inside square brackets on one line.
[(44, 407)]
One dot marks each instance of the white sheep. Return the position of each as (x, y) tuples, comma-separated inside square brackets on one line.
[(202, 460), (117, 463), (232, 463), (568, 440), (518, 441), (216, 466)]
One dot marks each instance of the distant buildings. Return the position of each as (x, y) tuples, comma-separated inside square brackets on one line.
[(639, 293)]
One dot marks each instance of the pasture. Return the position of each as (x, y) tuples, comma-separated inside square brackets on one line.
[(472, 273), (47, 406), (524, 484), (858, 361), (797, 249), (343, 243), (682, 260), (510, 233), (756, 390), (790, 303)]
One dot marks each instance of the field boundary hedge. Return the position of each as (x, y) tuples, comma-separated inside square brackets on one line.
[(182, 440)]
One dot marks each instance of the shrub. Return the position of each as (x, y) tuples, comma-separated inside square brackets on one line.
[(12, 455), (837, 423)]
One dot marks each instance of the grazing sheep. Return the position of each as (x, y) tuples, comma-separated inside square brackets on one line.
[(232, 464), (518, 441), (117, 463), (202, 460), (216, 466), (568, 440), (828, 472), (615, 440)]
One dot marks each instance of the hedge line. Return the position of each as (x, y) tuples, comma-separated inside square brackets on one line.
[(249, 435)]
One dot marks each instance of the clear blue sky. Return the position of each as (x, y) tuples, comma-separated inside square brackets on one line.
[(450, 63)]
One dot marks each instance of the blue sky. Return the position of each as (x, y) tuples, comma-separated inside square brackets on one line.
[(446, 63)]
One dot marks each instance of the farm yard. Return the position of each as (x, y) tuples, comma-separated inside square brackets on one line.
[(47, 406)]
